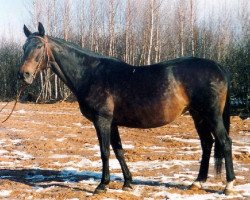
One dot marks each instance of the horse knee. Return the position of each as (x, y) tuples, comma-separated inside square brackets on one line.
[(105, 154)]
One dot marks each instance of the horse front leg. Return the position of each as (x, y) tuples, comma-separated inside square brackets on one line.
[(119, 153), (103, 129)]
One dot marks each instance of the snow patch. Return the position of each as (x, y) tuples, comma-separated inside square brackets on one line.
[(16, 130), (193, 141), (5, 193), (60, 139), (2, 152), (84, 126), (59, 156), (21, 111), (24, 155), (245, 189)]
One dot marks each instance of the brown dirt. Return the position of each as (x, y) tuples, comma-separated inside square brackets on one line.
[(50, 152)]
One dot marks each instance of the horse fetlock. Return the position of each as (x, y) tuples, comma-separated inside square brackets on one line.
[(119, 152)]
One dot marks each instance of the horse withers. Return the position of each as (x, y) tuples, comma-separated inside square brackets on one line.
[(112, 93)]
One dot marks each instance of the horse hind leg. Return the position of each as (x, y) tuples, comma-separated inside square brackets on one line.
[(206, 138), (223, 149), (119, 153)]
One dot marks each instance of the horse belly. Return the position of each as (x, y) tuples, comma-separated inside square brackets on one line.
[(149, 116)]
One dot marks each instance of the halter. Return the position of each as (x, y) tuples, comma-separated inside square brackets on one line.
[(50, 58), (45, 53)]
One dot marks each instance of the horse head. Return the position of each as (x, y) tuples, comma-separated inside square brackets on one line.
[(35, 57)]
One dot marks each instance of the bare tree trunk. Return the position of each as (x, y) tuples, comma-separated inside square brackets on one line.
[(158, 39), (151, 29), (192, 26), (128, 27), (112, 12), (92, 27), (66, 19)]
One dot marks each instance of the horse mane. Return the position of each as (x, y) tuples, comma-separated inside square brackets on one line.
[(80, 50)]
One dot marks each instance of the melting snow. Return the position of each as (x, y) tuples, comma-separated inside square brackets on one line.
[(24, 155), (84, 126), (3, 152), (194, 141), (5, 193), (60, 139), (21, 111), (16, 130)]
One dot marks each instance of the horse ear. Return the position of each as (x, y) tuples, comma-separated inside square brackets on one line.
[(26, 31), (41, 29)]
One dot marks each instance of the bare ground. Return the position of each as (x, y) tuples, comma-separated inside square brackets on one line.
[(51, 152)]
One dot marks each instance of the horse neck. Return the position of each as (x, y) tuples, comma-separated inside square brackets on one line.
[(71, 65)]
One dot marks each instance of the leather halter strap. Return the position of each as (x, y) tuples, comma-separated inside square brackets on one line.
[(45, 55)]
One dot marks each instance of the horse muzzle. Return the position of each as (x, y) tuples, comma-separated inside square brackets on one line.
[(26, 77)]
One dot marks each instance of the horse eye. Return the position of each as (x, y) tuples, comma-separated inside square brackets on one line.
[(39, 46), (37, 58)]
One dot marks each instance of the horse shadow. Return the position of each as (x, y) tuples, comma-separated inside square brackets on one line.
[(45, 178)]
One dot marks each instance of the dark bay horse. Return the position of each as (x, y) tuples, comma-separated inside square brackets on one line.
[(112, 93)]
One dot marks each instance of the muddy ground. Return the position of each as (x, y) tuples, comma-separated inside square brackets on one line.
[(51, 152)]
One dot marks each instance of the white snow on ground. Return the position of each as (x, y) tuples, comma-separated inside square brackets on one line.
[(173, 196), (158, 164), (21, 111), (60, 156), (60, 139), (16, 130), (193, 141), (240, 149), (5, 193), (2, 141), (155, 148), (245, 188), (2, 152), (84, 126), (22, 154), (16, 141), (163, 182)]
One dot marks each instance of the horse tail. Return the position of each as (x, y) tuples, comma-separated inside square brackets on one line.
[(218, 150), (226, 112)]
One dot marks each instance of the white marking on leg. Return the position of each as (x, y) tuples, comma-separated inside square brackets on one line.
[(230, 185), (197, 184)]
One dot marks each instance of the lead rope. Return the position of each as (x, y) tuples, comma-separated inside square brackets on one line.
[(21, 89)]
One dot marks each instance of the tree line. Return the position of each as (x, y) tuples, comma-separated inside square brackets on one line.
[(140, 33)]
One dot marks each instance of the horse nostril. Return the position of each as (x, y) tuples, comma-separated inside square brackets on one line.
[(26, 75)]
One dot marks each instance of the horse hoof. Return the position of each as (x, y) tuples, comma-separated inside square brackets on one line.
[(195, 186), (127, 188), (228, 192), (100, 189)]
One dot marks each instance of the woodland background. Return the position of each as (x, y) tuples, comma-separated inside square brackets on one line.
[(139, 32)]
